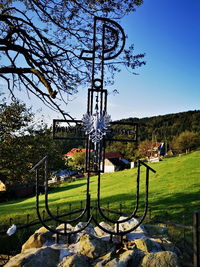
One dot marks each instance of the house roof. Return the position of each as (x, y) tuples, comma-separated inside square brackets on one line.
[(75, 150), (72, 151), (156, 146), (114, 161), (117, 162), (109, 155)]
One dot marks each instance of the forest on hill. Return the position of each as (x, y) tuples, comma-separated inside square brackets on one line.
[(23, 143), (166, 127)]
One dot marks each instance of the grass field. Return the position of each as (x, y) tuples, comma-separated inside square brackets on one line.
[(174, 190)]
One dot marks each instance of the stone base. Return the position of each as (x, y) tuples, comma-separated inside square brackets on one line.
[(92, 247)]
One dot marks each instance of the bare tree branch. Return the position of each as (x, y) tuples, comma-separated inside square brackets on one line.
[(41, 41)]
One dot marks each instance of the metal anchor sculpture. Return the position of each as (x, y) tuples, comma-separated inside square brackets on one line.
[(95, 126)]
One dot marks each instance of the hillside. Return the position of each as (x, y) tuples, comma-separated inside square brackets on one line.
[(167, 126), (173, 190)]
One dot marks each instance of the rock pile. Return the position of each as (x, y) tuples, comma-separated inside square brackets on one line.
[(147, 246)]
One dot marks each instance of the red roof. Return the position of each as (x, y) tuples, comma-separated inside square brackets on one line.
[(109, 155), (75, 150)]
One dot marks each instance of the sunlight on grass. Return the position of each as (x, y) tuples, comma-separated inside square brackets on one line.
[(174, 188)]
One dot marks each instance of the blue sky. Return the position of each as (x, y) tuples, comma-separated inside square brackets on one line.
[(168, 32)]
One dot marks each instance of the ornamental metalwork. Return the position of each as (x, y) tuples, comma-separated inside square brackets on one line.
[(96, 129), (96, 125)]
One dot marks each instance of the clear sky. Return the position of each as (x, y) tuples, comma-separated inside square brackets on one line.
[(168, 32)]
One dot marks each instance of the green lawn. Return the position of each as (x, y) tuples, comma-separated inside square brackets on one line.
[(174, 189)]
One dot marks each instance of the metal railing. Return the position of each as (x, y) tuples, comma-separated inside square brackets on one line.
[(194, 229)]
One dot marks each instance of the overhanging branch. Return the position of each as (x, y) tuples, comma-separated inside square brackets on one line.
[(40, 76)]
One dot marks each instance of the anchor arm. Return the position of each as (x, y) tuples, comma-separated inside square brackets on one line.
[(137, 197), (65, 222), (47, 205)]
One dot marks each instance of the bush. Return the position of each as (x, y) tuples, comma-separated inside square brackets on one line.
[(186, 141)]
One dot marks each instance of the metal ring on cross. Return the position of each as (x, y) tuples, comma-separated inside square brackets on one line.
[(97, 83)]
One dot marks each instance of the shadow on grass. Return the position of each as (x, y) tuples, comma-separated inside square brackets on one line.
[(51, 191), (177, 199), (172, 206), (66, 188), (176, 207)]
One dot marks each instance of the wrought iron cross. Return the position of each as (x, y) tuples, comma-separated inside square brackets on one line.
[(95, 129), (96, 120)]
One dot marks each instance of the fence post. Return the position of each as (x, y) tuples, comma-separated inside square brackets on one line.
[(96, 213), (196, 251), (120, 207), (108, 208), (184, 230), (57, 213), (11, 221), (149, 213), (43, 215), (88, 206), (70, 209), (27, 218)]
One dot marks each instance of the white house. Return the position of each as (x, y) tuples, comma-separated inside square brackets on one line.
[(114, 162)]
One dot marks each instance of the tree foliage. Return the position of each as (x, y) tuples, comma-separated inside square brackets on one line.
[(186, 141), (145, 148), (77, 161), (126, 149), (165, 127), (22, 145), (41, 42), (13, 118)]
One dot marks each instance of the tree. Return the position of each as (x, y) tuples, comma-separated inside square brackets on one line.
[(126, 149), (41, 42), (13, 118), (186, 141), (78, 160), (22, 145), (145, 148)]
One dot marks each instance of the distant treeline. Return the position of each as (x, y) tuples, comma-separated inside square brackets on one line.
[(166, 127)]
